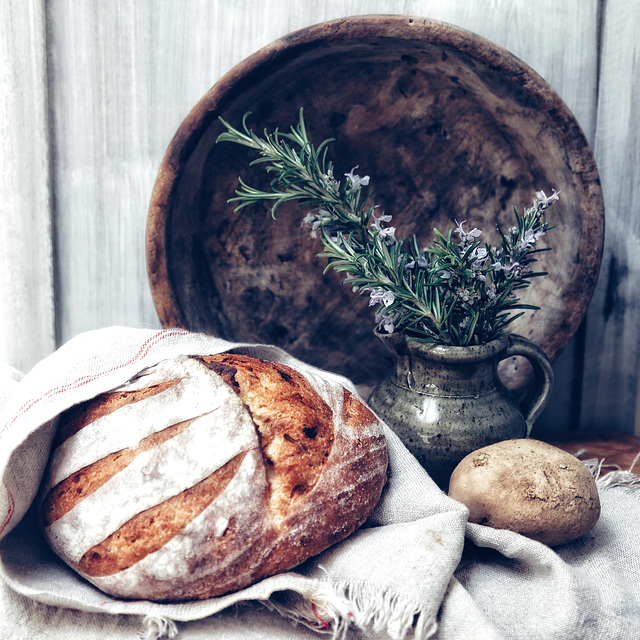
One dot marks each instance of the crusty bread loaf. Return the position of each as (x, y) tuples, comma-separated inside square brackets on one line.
[(203, 475)]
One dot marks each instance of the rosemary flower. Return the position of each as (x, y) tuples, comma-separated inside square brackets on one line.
[(356, 181)]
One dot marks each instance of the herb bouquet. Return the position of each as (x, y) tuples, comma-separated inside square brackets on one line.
[(443, 402), (458, 292)]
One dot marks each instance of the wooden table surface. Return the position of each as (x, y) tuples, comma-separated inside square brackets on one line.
[(617, 450)]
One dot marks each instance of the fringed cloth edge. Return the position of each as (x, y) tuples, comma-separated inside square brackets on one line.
[(331, 610), (337, 607), (158, 628), (616, 478)]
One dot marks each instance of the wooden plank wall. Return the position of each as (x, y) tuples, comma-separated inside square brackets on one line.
[(27, 316), (92, 92), (610, 384)]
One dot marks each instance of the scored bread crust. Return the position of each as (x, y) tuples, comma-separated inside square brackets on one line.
[(234, 469)]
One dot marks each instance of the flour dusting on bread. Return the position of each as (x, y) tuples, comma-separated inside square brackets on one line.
[(205, 474)]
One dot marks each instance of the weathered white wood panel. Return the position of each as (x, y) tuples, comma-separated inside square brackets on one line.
[(613, 321), (122, 76), (26, 266)]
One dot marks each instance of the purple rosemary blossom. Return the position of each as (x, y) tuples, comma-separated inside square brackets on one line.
[(311, 220), (356, 180), (498, 266), (529, 240), (542, 201), (386, 322), (383, 217), (315, 220), (378, 295), (422, 262), (389, 233), (444, 274), (378, 219), (480, 255), (467, 237)]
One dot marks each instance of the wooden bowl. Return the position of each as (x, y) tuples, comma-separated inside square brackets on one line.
[(448, 126)]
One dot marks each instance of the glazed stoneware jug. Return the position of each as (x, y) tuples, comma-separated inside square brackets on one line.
[(445, 402)]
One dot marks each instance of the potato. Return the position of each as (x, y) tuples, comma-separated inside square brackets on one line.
[(530, 487)]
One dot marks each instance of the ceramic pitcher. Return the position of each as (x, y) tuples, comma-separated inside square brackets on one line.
[(445, 402)]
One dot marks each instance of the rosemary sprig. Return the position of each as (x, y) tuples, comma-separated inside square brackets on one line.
[(456, 292)]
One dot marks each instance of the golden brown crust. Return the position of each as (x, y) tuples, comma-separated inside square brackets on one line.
[(80, 415), (72, 490), (153, 528), (354, 412), (319, 478), (294, 423)]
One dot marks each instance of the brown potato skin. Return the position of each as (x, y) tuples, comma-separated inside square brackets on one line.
[(530, 487)]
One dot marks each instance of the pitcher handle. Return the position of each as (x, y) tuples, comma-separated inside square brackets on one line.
[(538, 397)]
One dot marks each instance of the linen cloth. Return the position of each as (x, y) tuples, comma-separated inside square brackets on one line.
[(404, 574)]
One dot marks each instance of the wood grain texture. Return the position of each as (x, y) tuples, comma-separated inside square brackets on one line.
[(618, 451), (613, 322), (26, 265), (447, 125), (122, 77), (122, 80)]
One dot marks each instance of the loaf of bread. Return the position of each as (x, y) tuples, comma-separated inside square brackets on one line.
[(203, 475)]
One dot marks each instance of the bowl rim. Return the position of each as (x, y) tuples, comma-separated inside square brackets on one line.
[(213, 102)]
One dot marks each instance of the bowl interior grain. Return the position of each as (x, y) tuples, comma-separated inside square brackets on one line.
[(447, 125)]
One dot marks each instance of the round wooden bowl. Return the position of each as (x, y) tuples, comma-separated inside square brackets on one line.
[(447, 125)]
